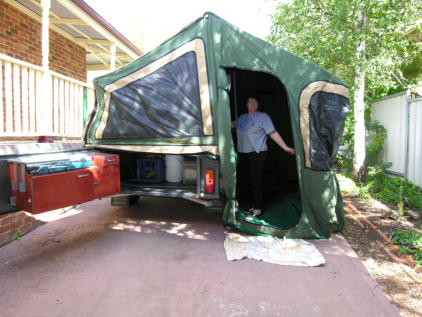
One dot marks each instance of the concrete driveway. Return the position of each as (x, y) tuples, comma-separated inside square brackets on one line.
[(165, 257)]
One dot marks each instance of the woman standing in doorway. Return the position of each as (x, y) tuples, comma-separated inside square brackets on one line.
[(252, 129)]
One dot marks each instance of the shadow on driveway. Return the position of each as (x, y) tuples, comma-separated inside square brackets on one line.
[(165, 257)]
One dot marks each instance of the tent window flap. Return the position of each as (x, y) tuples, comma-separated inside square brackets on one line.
[(141, 110), (327, 112)]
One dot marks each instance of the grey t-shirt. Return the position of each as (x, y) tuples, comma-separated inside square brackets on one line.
[(252, 131)]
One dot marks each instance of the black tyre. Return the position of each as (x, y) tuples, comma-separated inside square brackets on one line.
[(133, 199)]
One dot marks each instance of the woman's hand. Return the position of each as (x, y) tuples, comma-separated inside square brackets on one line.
[(279, 140), (290, 150)]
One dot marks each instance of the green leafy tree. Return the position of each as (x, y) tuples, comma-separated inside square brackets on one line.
[(361, 41)]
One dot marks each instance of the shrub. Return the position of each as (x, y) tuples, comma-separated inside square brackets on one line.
[(409, 242), (376, 139), (395, 190)]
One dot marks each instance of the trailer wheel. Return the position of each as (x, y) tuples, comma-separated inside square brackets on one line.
[(124, 201), (133, 199)]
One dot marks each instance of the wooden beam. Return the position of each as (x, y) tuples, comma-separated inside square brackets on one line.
[(99, 67), (68, 21), (93, 41), (100, 58), (105, 52), (113, 57), (87, 38), (38, 18), (83, 15), (36, 3), (82, 42)]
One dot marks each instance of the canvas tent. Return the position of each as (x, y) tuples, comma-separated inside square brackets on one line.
[(182, 96)]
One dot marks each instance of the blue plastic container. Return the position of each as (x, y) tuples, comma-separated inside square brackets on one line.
[(87, 163), (56, 167), (150, 170), (39, 170), (59, 167), (74, 165)]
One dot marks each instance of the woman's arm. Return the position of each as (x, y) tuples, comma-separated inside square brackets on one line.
[(279, 140)]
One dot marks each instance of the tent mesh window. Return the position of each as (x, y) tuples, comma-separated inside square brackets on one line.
[(327, 113), (141, 110)]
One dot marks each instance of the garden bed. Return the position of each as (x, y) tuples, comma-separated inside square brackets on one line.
[(395, 282)]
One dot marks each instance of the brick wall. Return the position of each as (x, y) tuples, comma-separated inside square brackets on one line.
[(16, 222), (20, 37), (66, 57)]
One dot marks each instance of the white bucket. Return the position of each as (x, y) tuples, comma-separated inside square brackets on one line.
[(174, 163)]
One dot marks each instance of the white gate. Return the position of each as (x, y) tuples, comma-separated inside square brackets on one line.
[(402, 117), (414, 157)]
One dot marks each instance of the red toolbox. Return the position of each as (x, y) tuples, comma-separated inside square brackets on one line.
[(38, 193), (106, 174)]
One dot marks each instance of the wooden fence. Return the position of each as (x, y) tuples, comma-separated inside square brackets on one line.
[(36, 102)]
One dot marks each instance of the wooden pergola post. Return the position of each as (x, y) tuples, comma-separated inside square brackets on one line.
[(44, 119)]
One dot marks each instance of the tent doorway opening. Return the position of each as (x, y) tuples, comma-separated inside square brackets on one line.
[(282, 205)]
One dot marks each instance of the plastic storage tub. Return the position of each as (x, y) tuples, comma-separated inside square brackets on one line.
[(150, 170), (189, 172)]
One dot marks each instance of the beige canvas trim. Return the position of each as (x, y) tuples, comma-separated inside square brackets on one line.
[(197, 46), (304, 100), (164, 149)]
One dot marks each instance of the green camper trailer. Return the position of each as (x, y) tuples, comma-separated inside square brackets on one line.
[(180, 99)]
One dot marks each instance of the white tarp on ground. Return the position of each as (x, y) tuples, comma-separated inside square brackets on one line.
[(273, 250)]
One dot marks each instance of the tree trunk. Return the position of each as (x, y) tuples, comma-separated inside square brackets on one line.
[(359, 153)]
